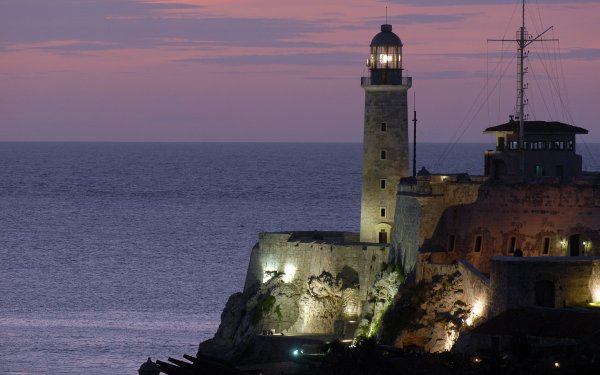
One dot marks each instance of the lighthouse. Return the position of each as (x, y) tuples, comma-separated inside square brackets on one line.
[(385, 142)]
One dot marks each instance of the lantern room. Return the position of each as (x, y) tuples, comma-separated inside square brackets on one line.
[(385, 60)]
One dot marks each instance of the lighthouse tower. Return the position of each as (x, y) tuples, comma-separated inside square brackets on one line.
[(385, 143)]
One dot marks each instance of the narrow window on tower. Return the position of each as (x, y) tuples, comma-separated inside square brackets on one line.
[(546, 249), (382, 183), (384, 126), (451, 242), (382, 211), (383, 155), (478, 241), (512, 245)]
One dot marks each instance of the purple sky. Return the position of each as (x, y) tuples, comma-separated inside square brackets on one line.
[(277, 70)]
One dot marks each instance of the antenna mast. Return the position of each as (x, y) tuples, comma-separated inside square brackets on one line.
[(523, 40)]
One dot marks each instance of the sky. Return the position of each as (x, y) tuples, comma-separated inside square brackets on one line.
[(281, 70)]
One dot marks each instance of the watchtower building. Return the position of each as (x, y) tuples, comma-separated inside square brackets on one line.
[(385, 142), (548, 149)]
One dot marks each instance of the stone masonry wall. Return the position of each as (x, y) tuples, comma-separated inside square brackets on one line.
[(419, 208), (301, 255), (532, 214), (513, 280), (383, 104), (476, 287)]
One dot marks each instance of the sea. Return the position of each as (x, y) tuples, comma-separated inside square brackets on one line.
[(111, 253)]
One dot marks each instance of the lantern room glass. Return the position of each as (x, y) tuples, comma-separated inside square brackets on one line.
[(385, 57)]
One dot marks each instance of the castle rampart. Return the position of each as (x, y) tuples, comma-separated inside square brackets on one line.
[(301, 255)]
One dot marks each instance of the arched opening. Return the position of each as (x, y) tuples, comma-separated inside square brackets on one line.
[(383, 236), (383, 232), (544, 293), (574, 245)]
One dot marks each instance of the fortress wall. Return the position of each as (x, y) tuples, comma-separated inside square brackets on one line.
[(529, 213), (427, 271), (419, 208), (299, 256), (405, 240), (476, 288), (572, 281)]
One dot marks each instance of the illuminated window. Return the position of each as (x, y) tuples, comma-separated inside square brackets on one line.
[(382, 183), (538, 145), (512, 245), (382, 212), (451, 240), (546, 249), (383, 126), (383, 155), (478, 241), (513, 145), (538, 170)]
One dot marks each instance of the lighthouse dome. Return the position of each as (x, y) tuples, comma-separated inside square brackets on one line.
[(386, 37)]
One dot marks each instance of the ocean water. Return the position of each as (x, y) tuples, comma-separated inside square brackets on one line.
[(114, 252)]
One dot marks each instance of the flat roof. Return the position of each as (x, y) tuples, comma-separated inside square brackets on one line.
[(538, 127)]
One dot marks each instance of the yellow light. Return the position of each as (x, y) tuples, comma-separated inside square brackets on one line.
[(556, 364), (476, 312), (384, 59), (594, 283)]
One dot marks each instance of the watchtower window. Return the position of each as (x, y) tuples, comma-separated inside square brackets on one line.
[(383, 155), (512, 245), (538, 145), (546, 249), (500, 146), (382, 212), (383, 126), (382, 183), (478, 241)]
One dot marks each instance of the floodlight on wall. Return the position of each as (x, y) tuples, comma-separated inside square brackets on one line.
[(289, 271), (594, 284), (476, 311)]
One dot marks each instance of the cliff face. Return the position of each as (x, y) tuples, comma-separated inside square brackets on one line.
[(428, 316), (316, 305)]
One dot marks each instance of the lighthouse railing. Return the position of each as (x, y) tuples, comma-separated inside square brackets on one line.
[(404, 81)]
